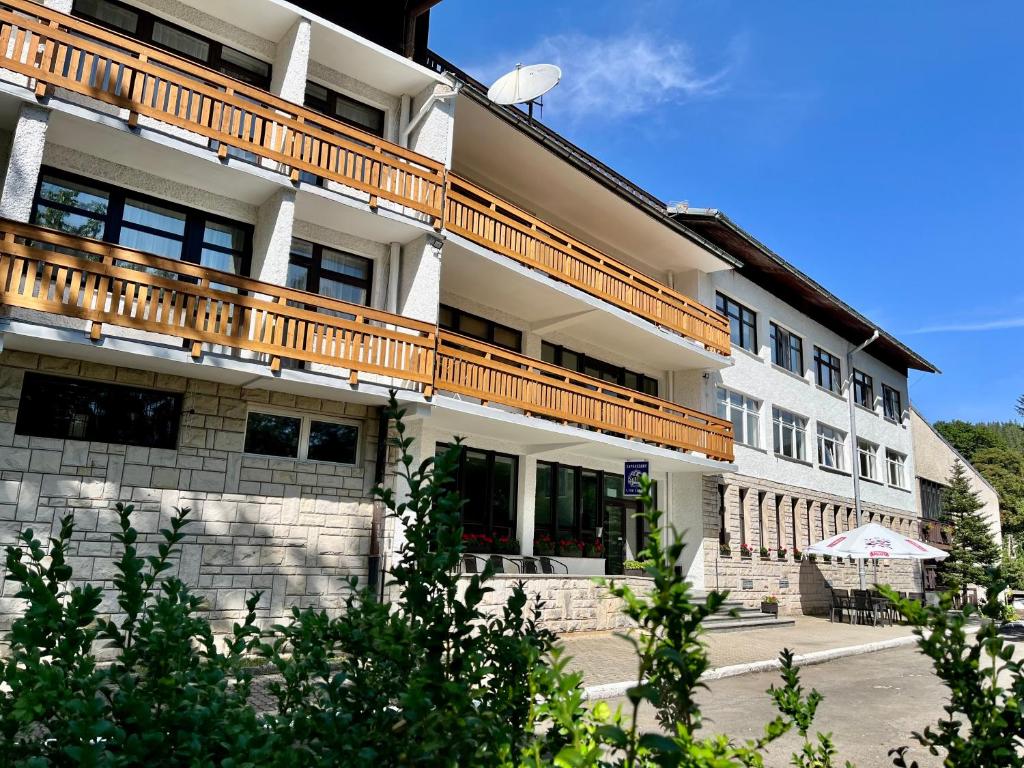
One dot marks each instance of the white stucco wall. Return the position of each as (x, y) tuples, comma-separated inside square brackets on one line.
[(754, 375), (26, 154)]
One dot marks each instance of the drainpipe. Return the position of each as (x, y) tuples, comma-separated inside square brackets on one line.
[(854, 463), (394, 261), (410, 126)]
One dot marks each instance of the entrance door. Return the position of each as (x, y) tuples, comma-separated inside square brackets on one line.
[(615, 516)]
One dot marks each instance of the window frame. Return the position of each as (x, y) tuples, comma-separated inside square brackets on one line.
[(838, 441), (897, 460), (826, 361), (315, 270), (865, 448), (177, 407), (492, 326), (776, 334), (215, 59), (932, 492), (723, 305), (192, 238), (799, 428), (306, 420), (886, 392), (459, 483), (620, 372), (865, 383), (729, 406), (331, 103)]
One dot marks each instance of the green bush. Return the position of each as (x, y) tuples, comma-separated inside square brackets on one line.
[(428, 680)]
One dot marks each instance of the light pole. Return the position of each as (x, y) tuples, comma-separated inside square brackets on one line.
[(854, 463)]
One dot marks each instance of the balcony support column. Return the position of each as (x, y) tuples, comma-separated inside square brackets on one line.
[(420, 279), (26, 158), (291, 63), (64, 6), (272, 239), (686, 512), (525, 499)]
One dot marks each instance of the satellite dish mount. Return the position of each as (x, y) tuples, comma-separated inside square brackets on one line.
[(525, 85)]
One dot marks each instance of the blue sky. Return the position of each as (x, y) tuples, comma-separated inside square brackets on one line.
[(878, 146)]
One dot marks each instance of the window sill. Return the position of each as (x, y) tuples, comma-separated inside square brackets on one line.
[(793, 460), (748, 353), (788, 372), (871, 480), (864, 408), (898, 423), (836, 395), (899, 488), (834, 470), (751, 447)]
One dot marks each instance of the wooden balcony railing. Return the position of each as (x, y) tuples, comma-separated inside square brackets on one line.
[(58, 50), (105, 283), (485, 219), (495, 375)]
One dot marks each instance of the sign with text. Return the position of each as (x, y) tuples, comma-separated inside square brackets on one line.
[(634, 471)]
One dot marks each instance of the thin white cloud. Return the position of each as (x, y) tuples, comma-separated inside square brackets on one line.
[(990, 325), (619, 76)]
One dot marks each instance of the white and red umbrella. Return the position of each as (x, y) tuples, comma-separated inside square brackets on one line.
[(875, 542)]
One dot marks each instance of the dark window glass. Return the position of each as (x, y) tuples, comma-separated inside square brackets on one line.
[(590, 501), (104, 212), (787, 350), (329, 272), (893, 403), (503, 492), (827, 370), (931, 499), (344, 108), (542, 496), (475, 479), (742, 322), (75, 409), (598, 369), (480, 328), (269, 434), (863, 389), (148, 28), (565, 501), (330, 441), (486, 482)]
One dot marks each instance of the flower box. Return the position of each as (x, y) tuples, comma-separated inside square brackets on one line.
[(771, 607)]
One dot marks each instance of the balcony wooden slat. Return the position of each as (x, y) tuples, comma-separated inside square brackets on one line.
[(117, 286), (90, 60), (498, 225), (494, 375)]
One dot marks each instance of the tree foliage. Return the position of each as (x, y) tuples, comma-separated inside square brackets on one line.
[(973, 549)]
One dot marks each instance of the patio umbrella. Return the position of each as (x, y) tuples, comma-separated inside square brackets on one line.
[(875, 542)]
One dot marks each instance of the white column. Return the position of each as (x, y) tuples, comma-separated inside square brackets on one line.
[(419, 287), (27, 144), (64, 6), (272, 238), (291, 63), (686, 512), (525, 500)]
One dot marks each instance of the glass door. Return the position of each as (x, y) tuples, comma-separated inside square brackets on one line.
[(614, 535)]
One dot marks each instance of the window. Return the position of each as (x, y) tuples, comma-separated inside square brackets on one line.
[(76, 409), (91, 209), (480, 328), (742, 322), (892, 404), (787, 350), (895, 469), (591, 366), (867, 455), (301, 437), (863, 390), (487, 482), (147, 28), (827, 370), (790, 434), (931, 499), (744, 413), (344, 108), (831, 444), (329, 272)]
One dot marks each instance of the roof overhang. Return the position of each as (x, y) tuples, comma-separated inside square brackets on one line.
[(773, 273)]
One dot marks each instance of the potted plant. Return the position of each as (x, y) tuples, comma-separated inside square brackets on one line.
[(506, 545), (570, 548), (811, 557), (636, 567), (826, 558), (594, 548), (746, 551), (798, 555), (926, 530), (770, 604), (725, 550), (781, 553), (765, 554), (543, 545), (478, 542)]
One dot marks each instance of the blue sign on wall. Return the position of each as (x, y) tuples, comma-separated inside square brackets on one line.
[(634, 471)]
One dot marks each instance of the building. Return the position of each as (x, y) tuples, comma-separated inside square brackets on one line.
[(228, 234), (934, 462)]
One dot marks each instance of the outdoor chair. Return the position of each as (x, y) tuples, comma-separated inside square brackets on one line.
[(548, 565), (840, 603), (528, 564), (864, 604), (470, 564)]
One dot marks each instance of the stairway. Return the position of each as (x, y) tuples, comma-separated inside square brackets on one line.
[(734, 617)]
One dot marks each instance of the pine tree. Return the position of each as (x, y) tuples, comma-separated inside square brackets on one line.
[(973, 548)]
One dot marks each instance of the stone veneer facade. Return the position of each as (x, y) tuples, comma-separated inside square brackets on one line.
[(801, 587), (293, 529)]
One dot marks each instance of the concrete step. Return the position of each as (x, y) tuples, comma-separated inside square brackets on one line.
[(738, 625)]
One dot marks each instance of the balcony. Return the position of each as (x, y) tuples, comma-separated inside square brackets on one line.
[(74, 277), (498, 376), (61, 51), (486, 220)]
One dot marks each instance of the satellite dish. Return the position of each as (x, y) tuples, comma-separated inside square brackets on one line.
[(524, 85)]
